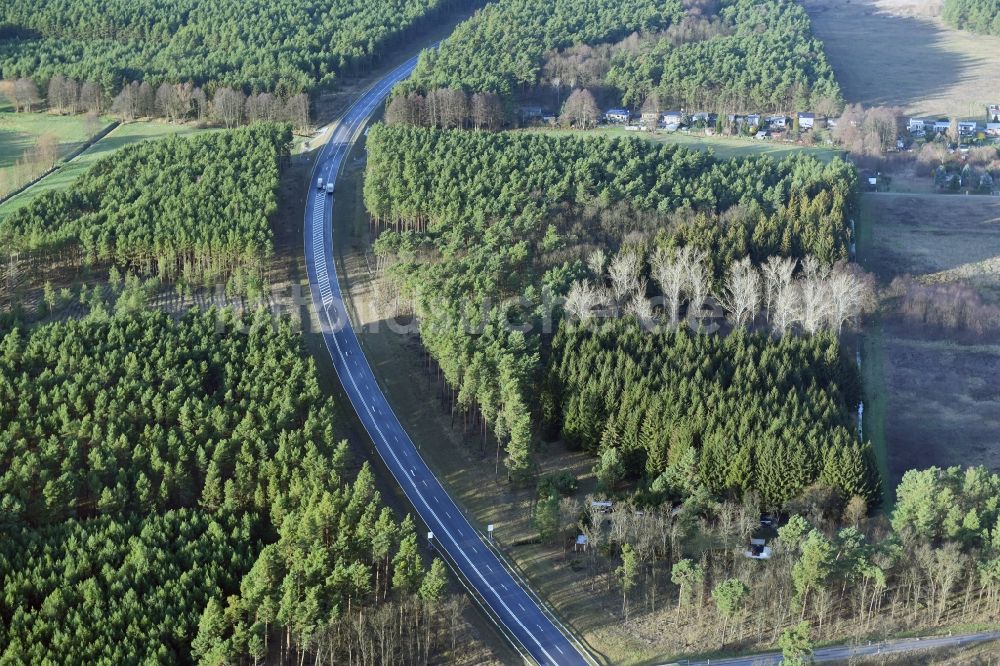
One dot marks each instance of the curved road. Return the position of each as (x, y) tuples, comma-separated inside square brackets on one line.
[(522, 617)]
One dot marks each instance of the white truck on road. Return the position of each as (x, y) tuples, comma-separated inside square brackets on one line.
[(329, 187), (319, 183)]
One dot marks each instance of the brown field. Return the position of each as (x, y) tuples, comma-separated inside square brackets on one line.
[(936, 238), (897, 53), (932, 398)]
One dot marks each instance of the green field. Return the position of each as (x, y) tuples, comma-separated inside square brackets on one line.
[(722, 147), (20, 131), (121, 136)]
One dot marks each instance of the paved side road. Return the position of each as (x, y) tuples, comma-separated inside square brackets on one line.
[(845, 653), (536, 634)]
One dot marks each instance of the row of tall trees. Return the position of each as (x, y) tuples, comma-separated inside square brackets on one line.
[(194, 209), (811, 300), (276, 46), (764, 59), (173, 492), (228, 107), (447, 107), (175, 102), (481, 232)]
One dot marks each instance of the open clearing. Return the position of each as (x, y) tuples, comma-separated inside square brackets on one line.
[(20, 131), (894, 53), (935, 238), (937, 399), (121, 136), (723, 147)]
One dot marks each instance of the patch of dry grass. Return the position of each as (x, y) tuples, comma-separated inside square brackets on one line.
[(897, 53), (935, 238)]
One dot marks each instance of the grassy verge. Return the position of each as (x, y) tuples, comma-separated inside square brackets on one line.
[(724, 147), (873, 365)]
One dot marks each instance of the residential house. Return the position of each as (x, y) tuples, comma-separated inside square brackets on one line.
[(993, 113), (917, 125), (672, 118), (777, 121), (617, 115), (807, 121), (967, 127), (942, 125), (649, 118), (993, 129), (705, 118), (753, 119), (530, 112)]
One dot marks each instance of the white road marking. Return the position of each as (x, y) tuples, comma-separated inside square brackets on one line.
[(348, 127)]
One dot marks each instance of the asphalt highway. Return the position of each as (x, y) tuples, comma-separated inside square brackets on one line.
[(524, 620)]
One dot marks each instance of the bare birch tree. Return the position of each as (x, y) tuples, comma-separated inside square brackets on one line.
[(815, 294), (624, 274), (227, 106), (850, 295), (697, 284), (670, 269), (581, 300), (640, 307), (595, 262), (787, 308), (740, 294), (778, 273)]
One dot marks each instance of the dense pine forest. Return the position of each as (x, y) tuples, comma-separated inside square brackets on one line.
[(982, 16), (733, 413), (172, 492), (193, 209), (481, 229), (501, 48), (272, 45), (758, 56), (725, 55)]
